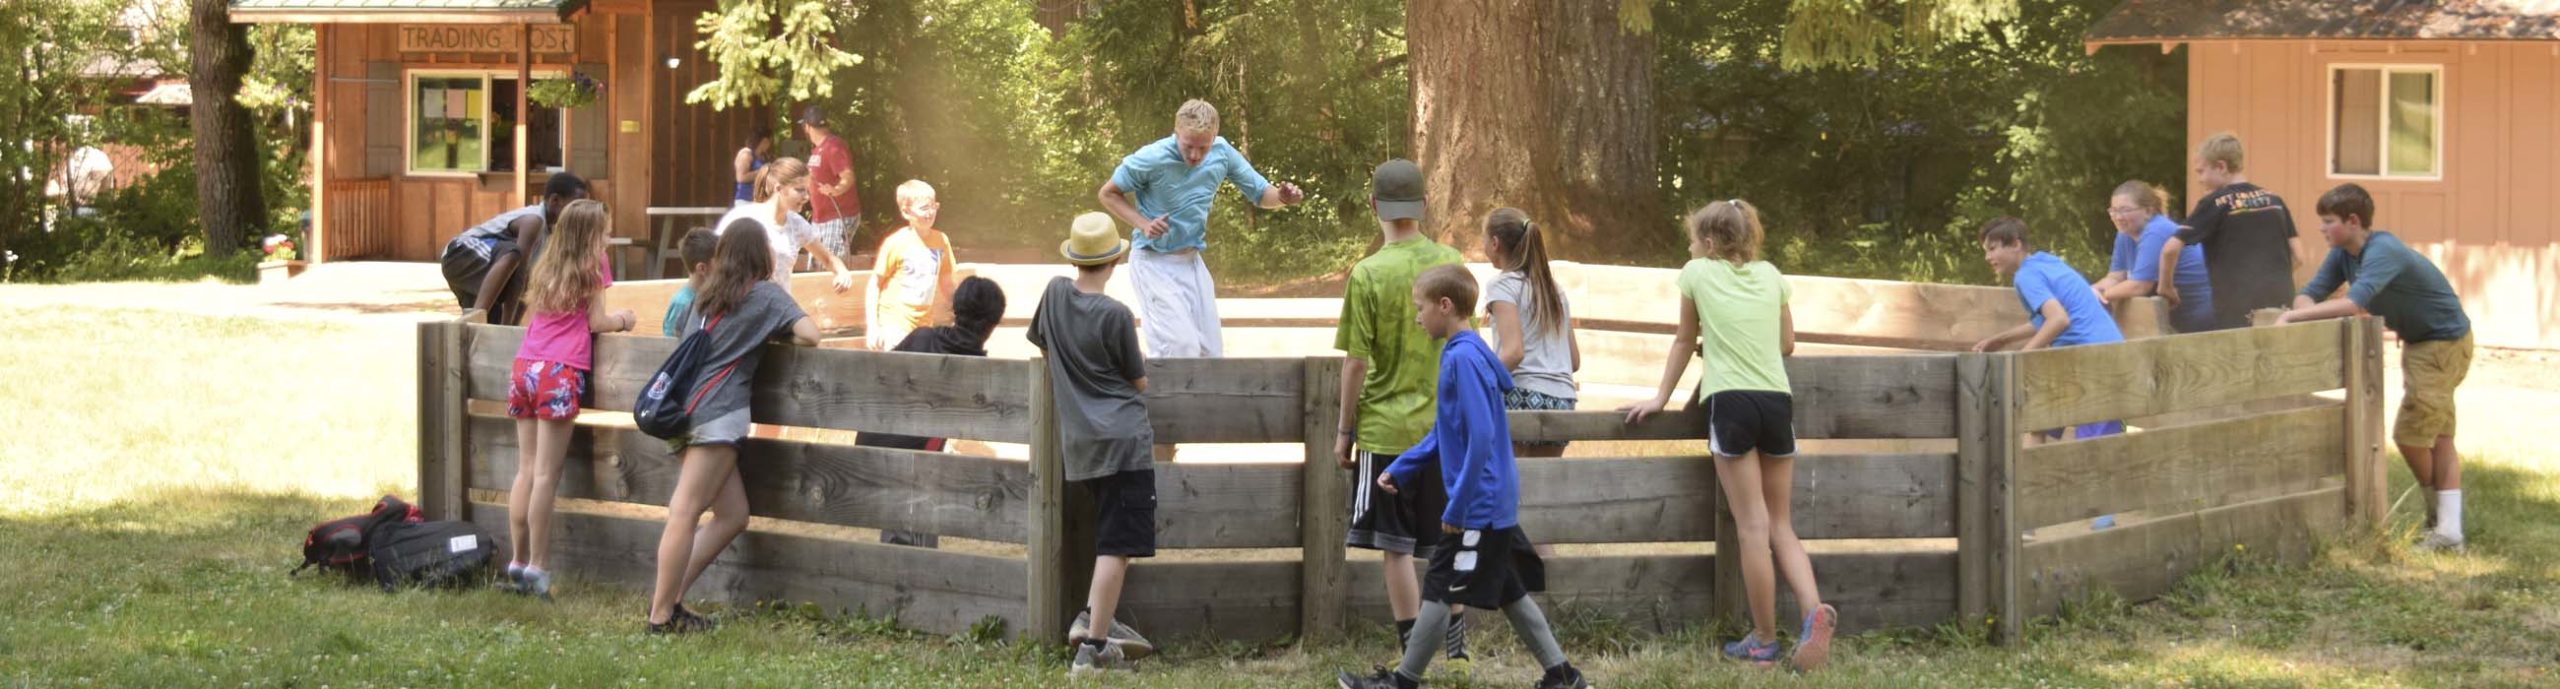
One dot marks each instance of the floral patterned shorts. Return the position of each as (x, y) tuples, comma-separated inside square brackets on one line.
[(545, 390)]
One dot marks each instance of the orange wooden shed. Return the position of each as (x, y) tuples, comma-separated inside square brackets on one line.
[(2448, 112)]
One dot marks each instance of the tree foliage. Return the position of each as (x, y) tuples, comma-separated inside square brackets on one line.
[(1875, 136)]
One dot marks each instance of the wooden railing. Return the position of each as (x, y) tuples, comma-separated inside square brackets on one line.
[(359, 219), (1942, 534)]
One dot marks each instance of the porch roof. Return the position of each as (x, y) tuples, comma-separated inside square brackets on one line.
[(404, 11), (2176, 21)]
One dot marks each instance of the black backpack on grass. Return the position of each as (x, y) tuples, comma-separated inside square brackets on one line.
[(339, 545), (430, 554)]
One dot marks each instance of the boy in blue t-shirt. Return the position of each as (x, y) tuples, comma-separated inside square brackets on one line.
[(697, 261), (2062, 309), (1485, 562)]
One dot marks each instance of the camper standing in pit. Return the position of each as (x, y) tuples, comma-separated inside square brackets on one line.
[(1164, 190)]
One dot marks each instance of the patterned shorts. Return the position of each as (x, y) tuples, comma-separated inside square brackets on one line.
[(545, 390), (1521, 399)]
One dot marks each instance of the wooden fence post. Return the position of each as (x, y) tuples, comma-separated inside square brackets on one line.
[(1323, 507), (432, 425), (444, 422), (1061, 524), (2362, 359), (1988, 444)]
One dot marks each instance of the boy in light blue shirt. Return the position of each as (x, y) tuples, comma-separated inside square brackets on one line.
[(1164, 190), (2062, 308)]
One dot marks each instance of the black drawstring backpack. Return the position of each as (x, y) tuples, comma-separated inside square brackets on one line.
[(665, 408)]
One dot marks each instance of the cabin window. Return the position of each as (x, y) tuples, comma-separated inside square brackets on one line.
[(464, 123), (2386, 121)]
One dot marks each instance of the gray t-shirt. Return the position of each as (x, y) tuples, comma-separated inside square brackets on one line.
[(1091, 342), (1546, 363), (766, 313)]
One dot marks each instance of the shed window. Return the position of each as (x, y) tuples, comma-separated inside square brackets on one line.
[(465, 123), (2386, 121)]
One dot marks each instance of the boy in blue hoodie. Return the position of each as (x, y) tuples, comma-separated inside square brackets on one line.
[(1485, 561)]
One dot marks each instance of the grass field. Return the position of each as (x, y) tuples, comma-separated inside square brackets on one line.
[(160, 469)]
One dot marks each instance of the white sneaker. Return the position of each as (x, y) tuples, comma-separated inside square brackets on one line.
[(1124, 637), (2437, 541)]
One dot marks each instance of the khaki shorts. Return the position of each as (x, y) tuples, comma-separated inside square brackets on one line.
[(2431, 370)]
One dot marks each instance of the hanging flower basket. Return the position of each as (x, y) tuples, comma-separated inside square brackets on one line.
[(574, 91)]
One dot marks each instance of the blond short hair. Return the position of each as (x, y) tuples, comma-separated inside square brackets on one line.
[(1196, 117), (912, 191), (2221, 148)]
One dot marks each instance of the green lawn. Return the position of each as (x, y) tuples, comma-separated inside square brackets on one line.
[(160, 470)]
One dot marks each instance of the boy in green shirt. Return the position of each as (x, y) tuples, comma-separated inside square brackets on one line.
[(1388, 374)]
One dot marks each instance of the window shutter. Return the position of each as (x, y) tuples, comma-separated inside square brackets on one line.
[(591, 129), (386, 119)]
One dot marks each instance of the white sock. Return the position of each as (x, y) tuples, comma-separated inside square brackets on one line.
[(515, 569), (2449, 513)]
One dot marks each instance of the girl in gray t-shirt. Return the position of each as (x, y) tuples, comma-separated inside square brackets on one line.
[(1530, 323), (742, 311)]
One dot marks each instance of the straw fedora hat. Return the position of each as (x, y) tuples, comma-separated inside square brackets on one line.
[(1094, 240)]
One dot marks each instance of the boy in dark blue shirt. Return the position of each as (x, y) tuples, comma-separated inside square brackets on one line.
[(1485, 561), (2386, 279)]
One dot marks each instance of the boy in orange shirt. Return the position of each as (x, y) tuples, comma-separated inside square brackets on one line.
[(912, 281)]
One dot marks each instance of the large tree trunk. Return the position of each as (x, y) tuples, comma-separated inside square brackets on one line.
[(1541, 105), (228, 201)]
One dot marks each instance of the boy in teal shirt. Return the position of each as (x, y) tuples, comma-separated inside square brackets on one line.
[(697, 261), (1387, 393), (2387, 279)]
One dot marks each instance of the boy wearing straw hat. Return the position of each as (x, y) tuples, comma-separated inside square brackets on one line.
[(1098, 380)]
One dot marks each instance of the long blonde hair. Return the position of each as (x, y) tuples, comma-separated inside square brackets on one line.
[(1524, 250), (571, 268)]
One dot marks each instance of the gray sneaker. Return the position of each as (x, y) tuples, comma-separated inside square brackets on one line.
[(1090, 662), (536, 584), (2434, 540), (1123, 637)]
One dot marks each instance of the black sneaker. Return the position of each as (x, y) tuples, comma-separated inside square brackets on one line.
[(1383, 678), (682, 622), (1563, 677)]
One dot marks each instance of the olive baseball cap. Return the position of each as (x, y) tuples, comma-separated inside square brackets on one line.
[(1397, 189)]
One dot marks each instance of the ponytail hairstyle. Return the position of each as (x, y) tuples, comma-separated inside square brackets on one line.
[(743, 258), (1731, 230), (2151, 199), (570, 270), (779, 173), (1523, 250)]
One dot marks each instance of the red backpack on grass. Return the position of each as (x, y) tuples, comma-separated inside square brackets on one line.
[(339, 545)]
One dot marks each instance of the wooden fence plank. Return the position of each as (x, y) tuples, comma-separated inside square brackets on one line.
[(1225, 400), (2362, 435), (918, 394), (1836, 397), (1987, 533), (1661, 499), (1226, 600), (1840, 310), (814, 292), (953, 495), (2141, 561), (1664, 593), (1228, 505), (1324, 505), (2178, 469), (2075, 385), (933, 591)]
